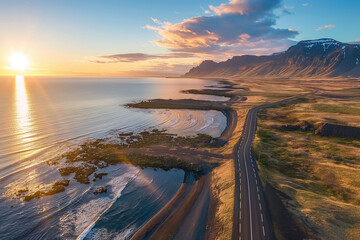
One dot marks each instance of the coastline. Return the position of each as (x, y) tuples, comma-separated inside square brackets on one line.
[(189, 104), (161, 215), (193, 156), (166, 222)]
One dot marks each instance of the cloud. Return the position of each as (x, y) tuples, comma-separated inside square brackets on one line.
[(289, 7), (238, 27), (207, 12), (246, 7), (325, 27), (286, 9), (136, 57), (357, 40), (305, 4)]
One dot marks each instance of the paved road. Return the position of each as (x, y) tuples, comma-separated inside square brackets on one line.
[(251, 215)]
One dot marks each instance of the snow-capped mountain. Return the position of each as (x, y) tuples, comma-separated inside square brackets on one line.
[(307, 59)]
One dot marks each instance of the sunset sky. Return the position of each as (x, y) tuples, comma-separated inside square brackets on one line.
[(161, 37)]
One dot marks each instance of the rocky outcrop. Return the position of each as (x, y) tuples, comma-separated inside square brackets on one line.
[(303, 126), (334, 130), (99, 190), (57, 187)]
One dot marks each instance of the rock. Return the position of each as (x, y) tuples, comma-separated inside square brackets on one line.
[(62, 183), (99, 190), (55, 189), (82, 172), (289, 127), (66, 171), (305, 126), (100, 175), (334, 130), (37, 194), (22, 191), (302, 125)]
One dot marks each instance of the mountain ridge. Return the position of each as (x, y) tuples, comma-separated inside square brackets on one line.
[(326, 58)]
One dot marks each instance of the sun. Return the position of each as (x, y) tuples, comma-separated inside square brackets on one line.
[(18, 62)]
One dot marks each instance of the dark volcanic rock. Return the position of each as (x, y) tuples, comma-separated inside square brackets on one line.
[(334, 130), (312, 58), (56, 188), (82, 172), (99, 190), (303, 126), (100, 175), (289, 127)]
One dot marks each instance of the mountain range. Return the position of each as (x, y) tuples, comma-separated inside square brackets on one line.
[(321, 58)]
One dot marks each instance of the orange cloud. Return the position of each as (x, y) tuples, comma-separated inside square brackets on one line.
[(245, 6), (179, 36), (325, 27), (237, 28), (234, 27), (136, 57)]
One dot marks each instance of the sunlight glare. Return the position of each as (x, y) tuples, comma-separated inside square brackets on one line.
[(18, 62), (21, 103)]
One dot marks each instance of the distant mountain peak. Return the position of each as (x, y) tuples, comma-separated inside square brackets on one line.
[(325, 43), (321, 41), (323, 57)]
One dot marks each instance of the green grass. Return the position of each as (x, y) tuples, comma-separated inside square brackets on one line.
[(290, 104), (215, 92), (282, 153), (312, 170), (336, 109), (268, 94)]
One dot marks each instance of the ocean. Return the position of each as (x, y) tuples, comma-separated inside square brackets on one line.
[(41, 117)]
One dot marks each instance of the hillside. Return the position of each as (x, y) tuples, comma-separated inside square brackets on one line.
[(310, 59)]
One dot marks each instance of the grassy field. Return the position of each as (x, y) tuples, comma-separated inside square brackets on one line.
[(312, 179), (341, 109), (318, 176)]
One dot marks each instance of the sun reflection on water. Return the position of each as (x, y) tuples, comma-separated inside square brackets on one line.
[(23, 123), (22, 105)]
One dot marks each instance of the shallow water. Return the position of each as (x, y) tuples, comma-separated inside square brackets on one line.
[(41, 117)]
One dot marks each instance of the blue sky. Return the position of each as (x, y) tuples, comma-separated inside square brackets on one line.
[(53, 33), (342, 14)]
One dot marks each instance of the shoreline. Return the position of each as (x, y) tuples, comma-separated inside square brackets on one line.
[(165, 222), (151, 226), (189, 104)]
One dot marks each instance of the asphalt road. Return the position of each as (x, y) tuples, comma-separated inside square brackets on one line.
[(251, 215)]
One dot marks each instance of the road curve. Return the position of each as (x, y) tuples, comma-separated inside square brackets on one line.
[(251, 216)]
